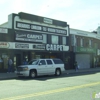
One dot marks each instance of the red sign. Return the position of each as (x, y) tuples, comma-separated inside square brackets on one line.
[(4, 45)]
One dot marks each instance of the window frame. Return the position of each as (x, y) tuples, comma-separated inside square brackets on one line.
[(64, 40), (44, 38), (49, 63), (58, 61), (44, 61), (81, 42), (53, 38)]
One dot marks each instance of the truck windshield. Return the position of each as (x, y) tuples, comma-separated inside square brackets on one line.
[(33, 62)]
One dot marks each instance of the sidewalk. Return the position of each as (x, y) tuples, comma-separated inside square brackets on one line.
[(7, 76), (82, 70), (13, 75)]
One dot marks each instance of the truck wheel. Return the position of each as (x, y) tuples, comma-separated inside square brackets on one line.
[(58, 72), (33, 74)]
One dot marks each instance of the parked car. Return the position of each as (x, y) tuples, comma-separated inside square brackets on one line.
[(37, 67)]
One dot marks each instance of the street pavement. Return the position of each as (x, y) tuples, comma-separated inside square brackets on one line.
[(69, 72)]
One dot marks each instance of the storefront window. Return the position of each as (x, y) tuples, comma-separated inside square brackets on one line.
[(78, 42), (64, 40), (90, 43), (44, 38), (81, 42), (54, 39)]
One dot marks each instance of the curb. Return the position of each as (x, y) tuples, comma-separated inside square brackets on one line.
[(80, 71), (5, 76)]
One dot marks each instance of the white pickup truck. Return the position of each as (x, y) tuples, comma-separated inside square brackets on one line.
[(37, 67)]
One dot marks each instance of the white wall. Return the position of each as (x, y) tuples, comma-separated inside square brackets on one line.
[(84, 33)]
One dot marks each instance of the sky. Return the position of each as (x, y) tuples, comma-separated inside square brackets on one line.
[(79, 14)]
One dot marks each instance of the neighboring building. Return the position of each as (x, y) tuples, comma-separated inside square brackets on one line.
[(84, 46), (30, 37)]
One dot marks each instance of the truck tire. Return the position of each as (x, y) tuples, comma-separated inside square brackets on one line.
[(33, 73), (58, 72)]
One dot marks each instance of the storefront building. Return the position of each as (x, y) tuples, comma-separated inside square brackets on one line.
[(84, 47), (31, 37), (3, 46)]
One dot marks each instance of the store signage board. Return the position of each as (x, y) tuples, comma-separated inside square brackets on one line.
[(54, 47), (35, 27), (47, 21), (3, 30), (39, 46), (82, 49), (32, 46), (22, 45), (4, 45), (29, 37)]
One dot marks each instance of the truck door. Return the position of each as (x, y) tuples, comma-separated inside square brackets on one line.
[(42, 67), (50, 66)]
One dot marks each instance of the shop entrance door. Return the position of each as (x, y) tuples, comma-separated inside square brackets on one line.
[(18, 60)]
